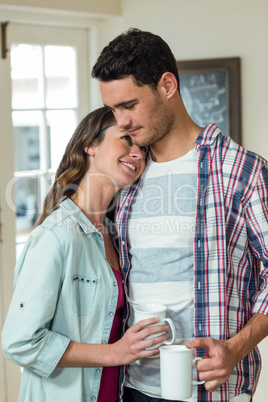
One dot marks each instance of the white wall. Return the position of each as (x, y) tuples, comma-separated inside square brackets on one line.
[(108, 7)]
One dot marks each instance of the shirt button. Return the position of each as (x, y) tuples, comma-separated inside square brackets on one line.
[(104, 341), (115, 283), (98, 371), (123, 243), (111, 314), (93, 398)]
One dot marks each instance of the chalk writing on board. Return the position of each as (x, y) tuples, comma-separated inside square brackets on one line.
[(205, 96)]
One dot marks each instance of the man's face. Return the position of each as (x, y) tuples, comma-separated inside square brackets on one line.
[(141, 111)]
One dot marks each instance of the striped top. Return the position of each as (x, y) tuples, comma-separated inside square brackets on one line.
[(161, 224), (231, 237)]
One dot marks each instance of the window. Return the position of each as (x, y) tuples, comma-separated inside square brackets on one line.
[(44, 115), (46, 107)]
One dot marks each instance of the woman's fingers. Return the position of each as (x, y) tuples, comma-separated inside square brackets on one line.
[(144, 323), (149, 328), (134, 345), (143, 335), (148, 334)]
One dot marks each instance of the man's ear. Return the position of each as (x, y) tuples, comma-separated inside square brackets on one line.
[(90, 150), (168, 83)]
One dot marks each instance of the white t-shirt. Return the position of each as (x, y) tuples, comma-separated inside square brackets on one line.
[(161, 230)]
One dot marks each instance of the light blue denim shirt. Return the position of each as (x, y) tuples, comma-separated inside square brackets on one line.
[(64, 290)]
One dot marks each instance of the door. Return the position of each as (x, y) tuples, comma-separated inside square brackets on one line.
[(43, 95)]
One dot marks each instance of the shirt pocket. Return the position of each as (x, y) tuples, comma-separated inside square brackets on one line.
[(83, 294)]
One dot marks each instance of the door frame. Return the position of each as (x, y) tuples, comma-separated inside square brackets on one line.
[(8, 371), (89, 99)]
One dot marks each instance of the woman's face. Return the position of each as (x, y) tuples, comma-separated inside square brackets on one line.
[(117, 158)]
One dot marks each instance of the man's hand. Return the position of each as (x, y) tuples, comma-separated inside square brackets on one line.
[(223, 356), (217, 367)]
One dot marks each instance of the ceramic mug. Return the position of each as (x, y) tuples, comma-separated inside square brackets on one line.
[(176, 372), (150, 310)]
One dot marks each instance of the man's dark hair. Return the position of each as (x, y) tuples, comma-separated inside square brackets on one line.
[(141, 54)]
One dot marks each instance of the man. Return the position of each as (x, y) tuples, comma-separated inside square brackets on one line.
[(197, 225)]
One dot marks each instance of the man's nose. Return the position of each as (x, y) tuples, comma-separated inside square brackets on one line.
[(123, 120)]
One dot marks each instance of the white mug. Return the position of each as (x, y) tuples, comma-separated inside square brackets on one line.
[(176, 372), (150, 310)]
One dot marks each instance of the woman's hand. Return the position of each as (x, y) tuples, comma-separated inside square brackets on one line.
[(129, 348), (132, 346)]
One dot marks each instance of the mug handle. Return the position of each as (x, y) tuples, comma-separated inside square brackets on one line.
[(173, 331), (194, 381)]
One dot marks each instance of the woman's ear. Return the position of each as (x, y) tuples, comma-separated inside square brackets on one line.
[(90, 150)]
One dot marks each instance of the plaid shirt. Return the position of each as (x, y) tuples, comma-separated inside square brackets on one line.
[(231, 237)]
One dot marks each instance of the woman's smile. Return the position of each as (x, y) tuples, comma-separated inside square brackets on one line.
[(130, 165)]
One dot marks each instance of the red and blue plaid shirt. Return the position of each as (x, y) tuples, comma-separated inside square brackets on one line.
[(231, 238)]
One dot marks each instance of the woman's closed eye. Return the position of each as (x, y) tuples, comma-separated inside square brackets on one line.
[(145, 149), (127, 138)]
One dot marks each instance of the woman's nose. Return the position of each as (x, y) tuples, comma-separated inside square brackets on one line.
[(136, 152)]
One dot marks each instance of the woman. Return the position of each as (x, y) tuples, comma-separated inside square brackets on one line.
[(64, 321)]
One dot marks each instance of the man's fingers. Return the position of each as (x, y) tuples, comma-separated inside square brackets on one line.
[(199, 343), (215, 368), (212, 385), (207, 364)]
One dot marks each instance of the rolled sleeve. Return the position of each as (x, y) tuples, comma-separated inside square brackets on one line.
[(51, 355), (257, 224), (27, 338)]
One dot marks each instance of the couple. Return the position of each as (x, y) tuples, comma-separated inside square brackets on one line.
[(65, 318)]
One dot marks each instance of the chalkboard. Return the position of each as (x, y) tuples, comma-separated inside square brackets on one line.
[(205, 97), (210, 90)]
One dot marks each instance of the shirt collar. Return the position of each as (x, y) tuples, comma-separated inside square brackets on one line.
[(72, 209), (208, 135)]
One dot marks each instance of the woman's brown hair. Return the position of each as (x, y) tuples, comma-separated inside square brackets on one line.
[(72, 168)]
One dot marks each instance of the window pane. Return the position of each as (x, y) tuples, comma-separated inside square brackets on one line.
[(60, 70), (26, 201), (50, 180), (26, 75), (62, 125), (26, 128)]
